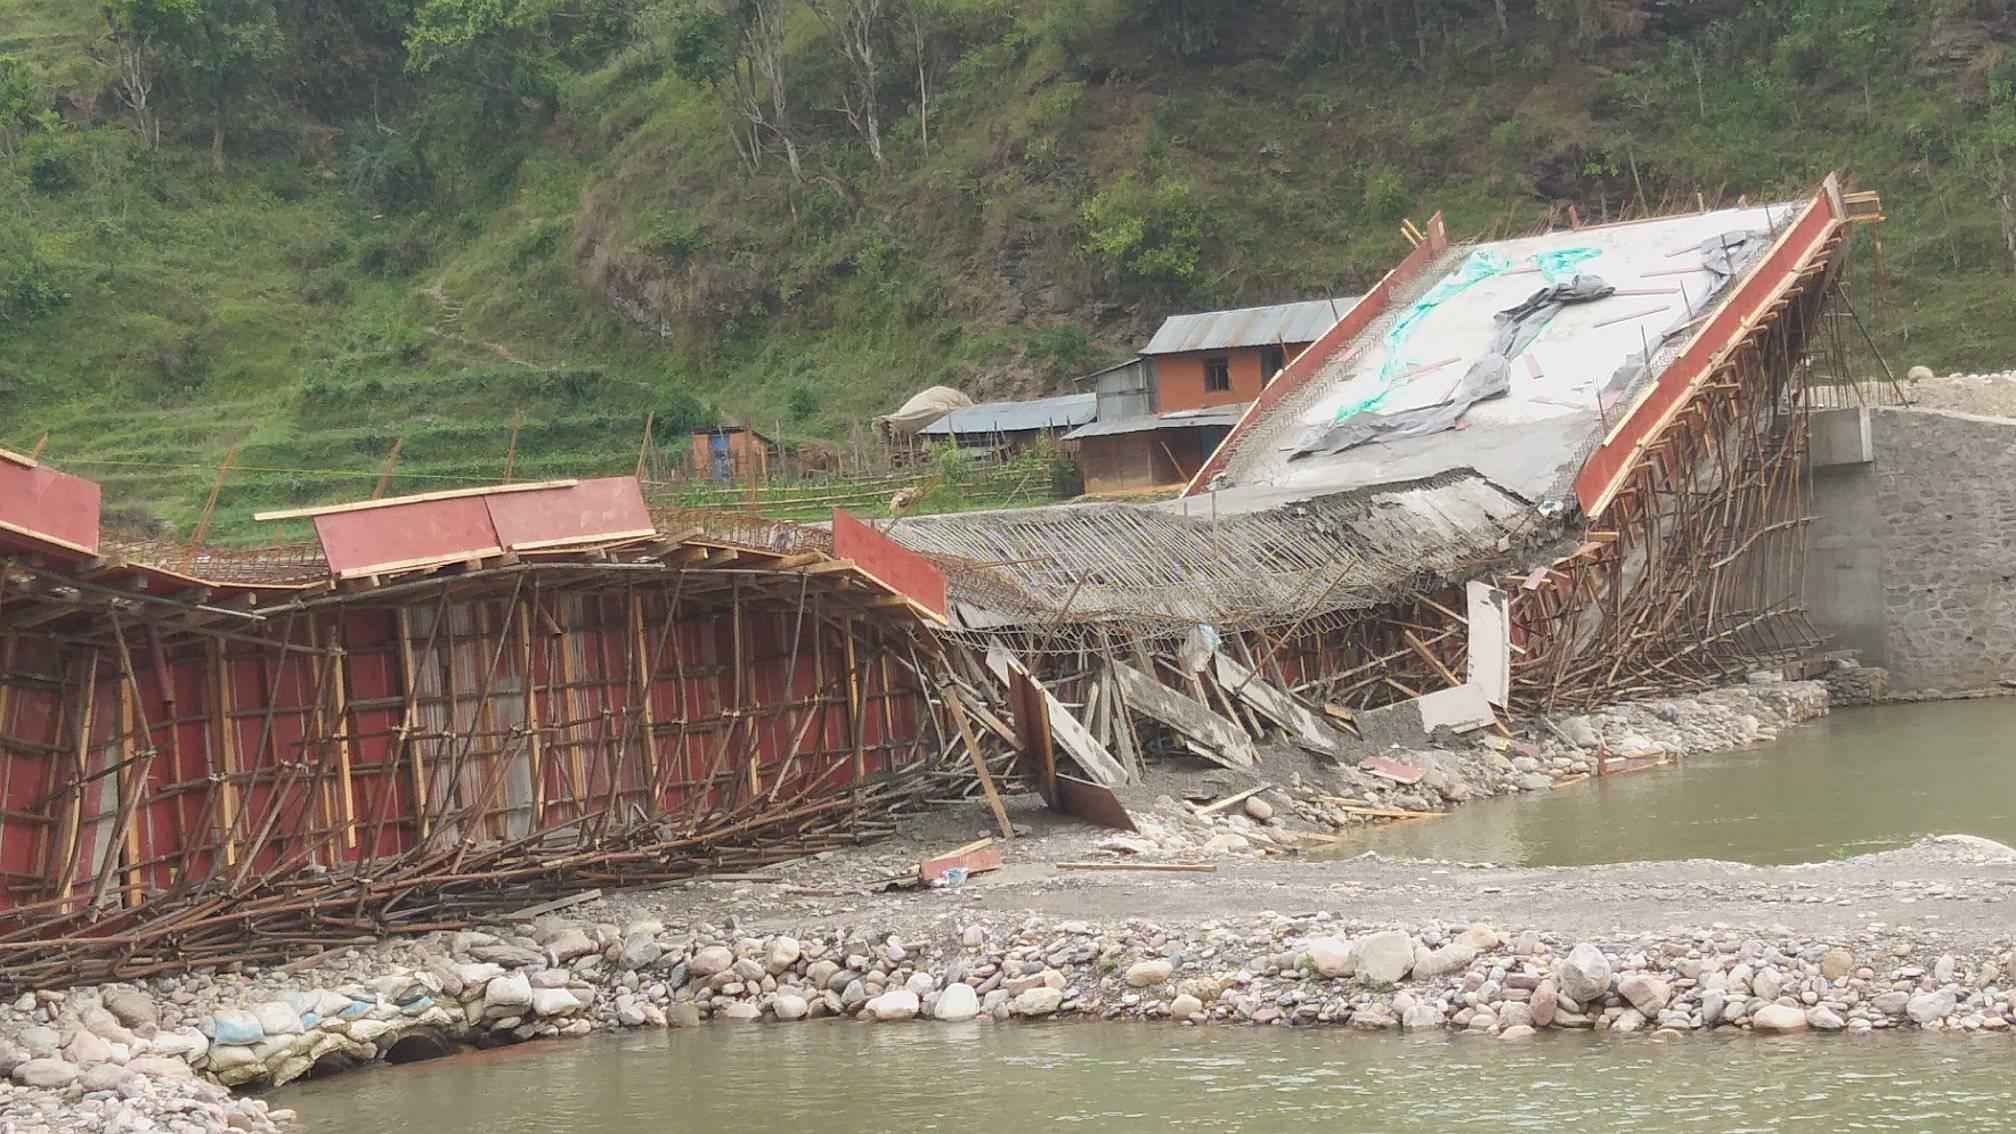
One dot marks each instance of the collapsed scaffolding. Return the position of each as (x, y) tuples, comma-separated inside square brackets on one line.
[(451, 705)]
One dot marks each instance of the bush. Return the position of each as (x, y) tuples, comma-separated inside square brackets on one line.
[(52, 164), (26, 288), (1152, 234)]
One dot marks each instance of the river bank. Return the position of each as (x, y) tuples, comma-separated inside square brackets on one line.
[(1684, 946)]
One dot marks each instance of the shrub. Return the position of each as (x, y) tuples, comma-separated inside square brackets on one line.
[(1152, 234), (26, 287)]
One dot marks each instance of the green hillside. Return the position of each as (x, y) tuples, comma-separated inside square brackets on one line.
[(344, 224)]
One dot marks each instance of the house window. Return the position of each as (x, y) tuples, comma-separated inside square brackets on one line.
[(1217, 375), (1272, 359)]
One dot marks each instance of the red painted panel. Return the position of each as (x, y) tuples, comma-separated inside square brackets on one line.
[(609, 506), (420, 532), (889, 563), (40, 501), (1607, 466), (1305, 365)]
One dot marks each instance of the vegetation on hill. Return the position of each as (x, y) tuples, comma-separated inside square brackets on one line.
[(311, 230)]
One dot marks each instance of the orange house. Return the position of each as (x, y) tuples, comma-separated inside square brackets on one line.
[(1219, 358)]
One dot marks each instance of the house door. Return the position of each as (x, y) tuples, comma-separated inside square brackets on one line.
[(722, 460)]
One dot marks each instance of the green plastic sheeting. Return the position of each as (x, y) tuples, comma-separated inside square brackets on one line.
[(1480, 265), (1557, 265)]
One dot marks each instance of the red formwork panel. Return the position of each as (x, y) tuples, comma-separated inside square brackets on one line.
[(610, 507), (1605, 470), (890, 563), (409, 534), (47, 511)]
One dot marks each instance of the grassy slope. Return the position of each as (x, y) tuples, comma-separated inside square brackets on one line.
[(263, 309)]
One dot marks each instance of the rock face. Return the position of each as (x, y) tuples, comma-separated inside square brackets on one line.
[(1148, 974), (1584, 975), (1384, 958), (1778, 1019), (958, 1002)]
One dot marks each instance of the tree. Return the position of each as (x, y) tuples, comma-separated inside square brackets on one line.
[(856, 29), (17, 103), (217, 48)]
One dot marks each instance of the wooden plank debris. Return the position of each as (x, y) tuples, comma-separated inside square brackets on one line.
[(1233, 800), (554, 906), (1305, 728), (975, 857), (1393, 770), (1205, 732), (1069, 733)]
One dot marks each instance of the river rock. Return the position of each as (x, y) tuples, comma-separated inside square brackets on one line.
[(1646, 993), (104, 1077), (712, 960), (1259, 808), (1767, 984), (639, 951), (1148, 974), (1930, 1007), (1823, 1019), (1384, 958), (1330, 957), (1451, 958), (568, 944), (47, 1073), (737, 1012), (1837, 963), (781, 953), (86, 1048), (1041, 1001), (1584, 974), (788, 1006), (1893, 1003), (554, 1002), (683, 1014), (895, 1006), (958, 1002), (133, 1009), (1184, 1007), (1778, 1019), (1543, 1003), (1517, 1032), (1419, 1017)]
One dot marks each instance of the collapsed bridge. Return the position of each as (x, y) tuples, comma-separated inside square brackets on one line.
[(1516, 476)]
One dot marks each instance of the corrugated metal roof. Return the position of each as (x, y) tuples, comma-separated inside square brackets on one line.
[(1061, 412), (1174, 419), (1302, 322)]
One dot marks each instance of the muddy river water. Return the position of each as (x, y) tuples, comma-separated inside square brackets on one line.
[(1857, 781), (841, 1078)]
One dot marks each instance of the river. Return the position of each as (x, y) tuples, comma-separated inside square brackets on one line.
[(837, 1077), (1855, 781), (1859, 780)]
